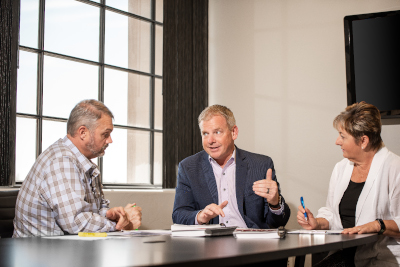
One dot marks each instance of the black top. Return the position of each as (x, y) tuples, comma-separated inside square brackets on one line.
[(347, 206)]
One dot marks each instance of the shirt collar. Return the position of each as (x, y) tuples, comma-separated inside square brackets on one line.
[(231, 159), (86, 163)]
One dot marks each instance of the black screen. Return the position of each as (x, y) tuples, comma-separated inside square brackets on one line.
[(376, 61)]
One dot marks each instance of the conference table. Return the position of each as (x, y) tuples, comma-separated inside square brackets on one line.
[(165, 250)]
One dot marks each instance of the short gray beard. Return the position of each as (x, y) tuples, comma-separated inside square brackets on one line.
[(96, 153)]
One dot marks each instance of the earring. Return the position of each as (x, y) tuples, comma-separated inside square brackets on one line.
[(362, 147)]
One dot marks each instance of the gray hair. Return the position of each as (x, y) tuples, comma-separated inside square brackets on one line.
[(361, 119), (215, 110), (86, 113)]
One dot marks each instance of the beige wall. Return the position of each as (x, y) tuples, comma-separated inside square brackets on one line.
[(280, 66), (156, 205)]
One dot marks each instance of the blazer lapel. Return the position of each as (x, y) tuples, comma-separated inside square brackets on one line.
[(373, 173), (343, 184), (241, 173), (209, 177)]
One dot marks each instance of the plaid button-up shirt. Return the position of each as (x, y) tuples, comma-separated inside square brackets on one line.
[(61, 194)]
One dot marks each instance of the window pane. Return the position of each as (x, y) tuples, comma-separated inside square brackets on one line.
[(127, 159), (26, 84), (158, 138), (137, 7), (29, 23), (52, 131), (65, 83), (158, 105), (25, 148), (72, 28), (127, 42), (127, 95), (159, 50), (159, 10)]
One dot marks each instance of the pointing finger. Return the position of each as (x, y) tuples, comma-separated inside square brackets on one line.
[(223, 205)]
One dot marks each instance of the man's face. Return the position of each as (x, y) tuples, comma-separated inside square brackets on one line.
[(218, 140), (100, 137)]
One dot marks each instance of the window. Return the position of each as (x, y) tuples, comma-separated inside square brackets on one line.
[(110, 50)]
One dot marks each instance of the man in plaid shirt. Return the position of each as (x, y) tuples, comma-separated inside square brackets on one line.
[(62, 193)]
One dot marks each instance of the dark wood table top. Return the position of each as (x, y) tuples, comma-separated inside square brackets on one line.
[(167, 250)]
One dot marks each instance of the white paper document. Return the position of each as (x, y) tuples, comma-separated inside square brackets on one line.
[(201, 230), (315, 232), (75, 237), (256, 233), (141, 233)]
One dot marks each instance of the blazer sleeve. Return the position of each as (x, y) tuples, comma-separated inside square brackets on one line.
[(257, 213), (185, 209)]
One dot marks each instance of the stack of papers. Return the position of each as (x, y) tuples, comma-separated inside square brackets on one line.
[(256, 233), (201, 230)]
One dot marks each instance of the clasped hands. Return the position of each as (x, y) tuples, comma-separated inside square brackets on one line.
[(266, 188), (128, 218)]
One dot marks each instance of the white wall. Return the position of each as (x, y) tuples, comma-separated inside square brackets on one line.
[(280, 66)]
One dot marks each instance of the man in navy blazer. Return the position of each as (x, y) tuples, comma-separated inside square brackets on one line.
[(224, 184)]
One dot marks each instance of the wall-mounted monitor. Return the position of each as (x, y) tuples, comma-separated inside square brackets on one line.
[(372, 46)]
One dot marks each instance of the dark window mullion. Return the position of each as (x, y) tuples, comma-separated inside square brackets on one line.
[(102, 30), (39, 103), (85, 61), (152, 88), (121, 12)]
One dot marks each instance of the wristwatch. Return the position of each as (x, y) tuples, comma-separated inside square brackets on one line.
[(277, 205), (383, 227)]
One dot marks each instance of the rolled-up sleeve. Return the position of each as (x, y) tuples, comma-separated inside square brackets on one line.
[(73, 208)]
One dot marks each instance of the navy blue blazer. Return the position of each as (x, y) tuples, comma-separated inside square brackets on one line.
[(197, 188)]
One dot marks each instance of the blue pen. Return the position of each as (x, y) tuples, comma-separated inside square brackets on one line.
[(304, 207)]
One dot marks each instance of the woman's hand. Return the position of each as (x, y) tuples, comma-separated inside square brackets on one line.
[(374, 227), (310, 223), (371, 227)]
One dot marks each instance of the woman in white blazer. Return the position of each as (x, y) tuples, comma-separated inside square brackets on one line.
[(364, 192)]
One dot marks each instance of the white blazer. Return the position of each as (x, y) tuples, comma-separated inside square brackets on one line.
[(380, 198)]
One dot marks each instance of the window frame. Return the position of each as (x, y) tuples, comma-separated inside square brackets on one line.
[(40, 52)]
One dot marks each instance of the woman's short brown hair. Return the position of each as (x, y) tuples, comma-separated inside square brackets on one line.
[(361, 119)]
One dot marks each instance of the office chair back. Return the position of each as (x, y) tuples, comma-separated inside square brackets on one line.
[(8, 200)]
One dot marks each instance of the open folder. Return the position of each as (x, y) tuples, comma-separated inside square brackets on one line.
[(201, 230)]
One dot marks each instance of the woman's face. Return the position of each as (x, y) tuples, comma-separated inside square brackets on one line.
[(348, 145)]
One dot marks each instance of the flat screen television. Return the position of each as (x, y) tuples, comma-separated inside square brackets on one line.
[(372, 47)]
